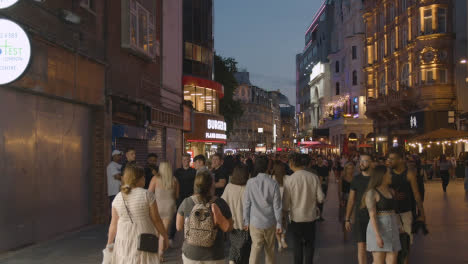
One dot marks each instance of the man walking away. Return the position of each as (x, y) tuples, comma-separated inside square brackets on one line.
[(322, 172), (302, 193), (151, 164), (220, 174), (114, 176), (358, 188), (404, 182), (262, 212)]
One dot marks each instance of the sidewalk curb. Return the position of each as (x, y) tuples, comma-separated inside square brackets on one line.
[(9, 254)]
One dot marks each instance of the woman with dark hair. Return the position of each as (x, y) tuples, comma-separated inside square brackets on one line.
[(444, 169), (192, 251), (344, 188), (383, 238), (278, 174), (234, 197)]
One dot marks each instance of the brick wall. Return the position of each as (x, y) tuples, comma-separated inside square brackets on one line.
[(101, 142)]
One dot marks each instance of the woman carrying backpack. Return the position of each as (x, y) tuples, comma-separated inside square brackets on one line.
[(204, 219)]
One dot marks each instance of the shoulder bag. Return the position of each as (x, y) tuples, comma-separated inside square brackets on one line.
[(146, 242)]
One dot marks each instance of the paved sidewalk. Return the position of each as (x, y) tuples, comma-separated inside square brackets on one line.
[(447, 222)]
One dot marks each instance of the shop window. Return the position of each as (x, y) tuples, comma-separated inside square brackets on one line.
[(442, 20), (204, 99)]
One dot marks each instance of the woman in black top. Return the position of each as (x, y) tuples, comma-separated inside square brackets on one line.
[(343, 192)]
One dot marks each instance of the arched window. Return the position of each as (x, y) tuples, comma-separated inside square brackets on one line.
[(404, 79), (382, 85), (354, 77)]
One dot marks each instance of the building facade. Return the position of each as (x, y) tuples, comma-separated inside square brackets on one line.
[(254, 131), (410, 76), (314, 56), (344, 104), (207, 133), (288, 125), (53, 143)]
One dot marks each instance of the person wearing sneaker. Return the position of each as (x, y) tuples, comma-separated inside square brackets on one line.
[(279, 175), (302, 193)]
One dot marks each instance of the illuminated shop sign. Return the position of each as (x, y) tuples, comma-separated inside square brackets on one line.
[(7, 3), (216, 125), (15, 50), (215, 136)]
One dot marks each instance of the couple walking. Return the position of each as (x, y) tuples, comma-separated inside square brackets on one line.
[(263, 209)]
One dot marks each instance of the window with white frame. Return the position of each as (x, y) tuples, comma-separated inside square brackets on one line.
[(427, 21), (442, 20), (142, 29)]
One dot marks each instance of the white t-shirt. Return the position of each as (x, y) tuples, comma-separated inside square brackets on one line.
[(113, 185)]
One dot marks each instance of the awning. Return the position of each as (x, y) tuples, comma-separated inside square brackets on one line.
[(200, 82), (441, 134)]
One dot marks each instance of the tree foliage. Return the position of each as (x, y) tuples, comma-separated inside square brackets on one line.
[(224, 74)]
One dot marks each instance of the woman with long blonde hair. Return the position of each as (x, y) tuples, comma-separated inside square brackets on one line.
[(134, 212), (166, 189)]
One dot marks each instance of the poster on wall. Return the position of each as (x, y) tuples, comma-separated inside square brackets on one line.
[(7, 3), (15, 51)]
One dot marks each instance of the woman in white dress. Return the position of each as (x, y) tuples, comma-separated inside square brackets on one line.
[(166, 189), (141, 217)]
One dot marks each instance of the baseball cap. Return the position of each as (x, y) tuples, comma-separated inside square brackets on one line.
[(116, 152)]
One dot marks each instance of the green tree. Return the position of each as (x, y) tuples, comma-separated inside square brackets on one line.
[(224, 74)]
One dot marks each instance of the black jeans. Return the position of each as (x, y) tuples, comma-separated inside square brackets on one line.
[(445, 179), (304, 241)]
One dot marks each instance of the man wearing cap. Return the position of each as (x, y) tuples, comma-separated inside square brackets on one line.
[(114, 175)]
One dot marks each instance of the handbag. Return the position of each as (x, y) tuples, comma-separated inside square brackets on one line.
[(146, 242), (405, 241)]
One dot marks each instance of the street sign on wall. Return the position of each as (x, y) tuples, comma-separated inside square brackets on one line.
[(15, 51), (7, 3)]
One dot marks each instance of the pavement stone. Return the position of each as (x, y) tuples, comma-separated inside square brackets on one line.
[(447, 218)]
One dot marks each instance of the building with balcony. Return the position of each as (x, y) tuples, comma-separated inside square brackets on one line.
[(206, 132), (343, 112), (256, 129), (409, 68), (313, 61)]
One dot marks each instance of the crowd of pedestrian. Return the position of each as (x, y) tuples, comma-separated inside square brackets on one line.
[(250, 201)]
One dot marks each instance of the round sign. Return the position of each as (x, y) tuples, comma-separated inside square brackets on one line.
[(7, 3), (15, 51)]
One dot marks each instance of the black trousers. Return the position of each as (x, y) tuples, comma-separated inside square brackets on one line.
[(445, 178), (303, 234)]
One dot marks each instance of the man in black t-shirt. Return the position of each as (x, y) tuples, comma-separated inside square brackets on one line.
[(358, 188), (186, 178), (220, 174), (151, 164)]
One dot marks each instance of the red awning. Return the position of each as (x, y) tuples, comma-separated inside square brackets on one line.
[(200, 82)]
